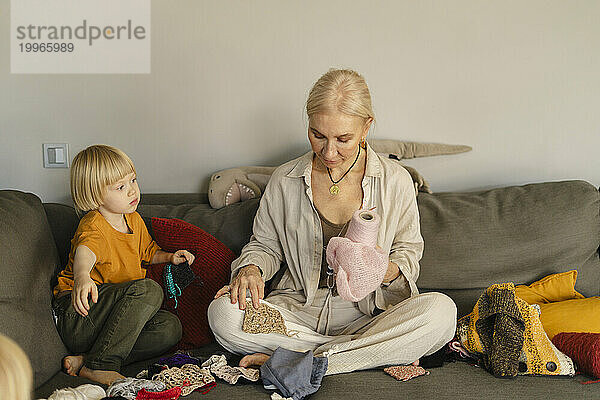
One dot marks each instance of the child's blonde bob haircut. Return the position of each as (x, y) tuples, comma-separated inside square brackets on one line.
[(94, 169), (16, 376)]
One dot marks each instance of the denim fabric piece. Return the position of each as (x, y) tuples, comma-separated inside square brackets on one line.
[(295, 374)]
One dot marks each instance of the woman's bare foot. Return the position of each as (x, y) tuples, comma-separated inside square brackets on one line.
[(100, 376), (72, 365), (256, 359)]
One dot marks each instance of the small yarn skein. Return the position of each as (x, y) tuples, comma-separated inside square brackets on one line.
[(583, 348), (364, 227)]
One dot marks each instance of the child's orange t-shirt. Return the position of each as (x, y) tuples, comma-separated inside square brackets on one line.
[(119, 256)]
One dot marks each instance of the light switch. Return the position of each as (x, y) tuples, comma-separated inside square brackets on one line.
[(59, 155), (56, 155)]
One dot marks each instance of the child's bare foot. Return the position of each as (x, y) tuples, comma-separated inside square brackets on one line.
[(72, 365), (256, 359), (100, 376)]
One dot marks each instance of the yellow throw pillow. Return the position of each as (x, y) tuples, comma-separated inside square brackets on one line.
[(577, 315), (552, 288)]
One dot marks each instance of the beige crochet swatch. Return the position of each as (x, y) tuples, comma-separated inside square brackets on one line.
[(190, 377), (263, 319), (217, 364)]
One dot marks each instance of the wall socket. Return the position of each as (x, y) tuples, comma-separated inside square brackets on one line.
[(56, 155)]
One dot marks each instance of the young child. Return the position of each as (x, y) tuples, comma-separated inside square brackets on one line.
[(16, 376), (122, 323)]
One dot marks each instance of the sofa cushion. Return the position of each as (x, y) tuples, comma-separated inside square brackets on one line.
[(550, 289), (29, 258), (515, 234), (232, 225), (576, 315), (212, 265)]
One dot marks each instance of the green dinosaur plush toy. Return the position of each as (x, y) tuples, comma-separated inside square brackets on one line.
[(238, 184)]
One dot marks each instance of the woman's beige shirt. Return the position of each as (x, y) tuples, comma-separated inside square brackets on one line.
[(287, 230)]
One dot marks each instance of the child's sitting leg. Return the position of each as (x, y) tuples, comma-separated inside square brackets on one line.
[(123, 325)]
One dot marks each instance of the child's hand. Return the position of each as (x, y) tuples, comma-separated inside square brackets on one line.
[(180, 256), (82, 288)]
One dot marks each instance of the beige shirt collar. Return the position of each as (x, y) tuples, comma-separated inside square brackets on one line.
[(303, 167)]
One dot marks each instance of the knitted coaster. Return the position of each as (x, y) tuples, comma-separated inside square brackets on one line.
[(190, 377), (405, 372), (232, 374), (263, 319), (217, 364), (215, 361), (169, 394)]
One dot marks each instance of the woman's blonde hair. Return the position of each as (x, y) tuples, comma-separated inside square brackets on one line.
[(341, 90), (16, 376), (94, 169)]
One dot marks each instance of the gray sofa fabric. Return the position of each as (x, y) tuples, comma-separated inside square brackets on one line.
[(28, 261), (472, 240), (518, 234)]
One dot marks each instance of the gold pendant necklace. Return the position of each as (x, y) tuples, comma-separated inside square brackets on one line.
[(335, 189)]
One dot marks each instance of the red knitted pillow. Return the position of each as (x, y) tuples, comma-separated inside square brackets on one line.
[(583, 348), (212, 265)]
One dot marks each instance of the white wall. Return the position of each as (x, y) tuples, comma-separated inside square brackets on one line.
[(518, 81)]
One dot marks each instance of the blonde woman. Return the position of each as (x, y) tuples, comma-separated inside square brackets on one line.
[(16, 376), (309, 200)]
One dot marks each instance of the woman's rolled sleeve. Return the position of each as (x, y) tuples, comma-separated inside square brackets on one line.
[(264, 249), (405, 252)]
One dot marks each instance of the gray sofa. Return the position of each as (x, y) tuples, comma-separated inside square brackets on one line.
[(472, 240)]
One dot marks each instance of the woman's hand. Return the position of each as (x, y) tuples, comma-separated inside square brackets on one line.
[(392, 272), (83, 286), (249, 277), (180, 256)]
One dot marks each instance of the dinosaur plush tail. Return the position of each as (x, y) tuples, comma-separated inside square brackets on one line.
[(406, 150)]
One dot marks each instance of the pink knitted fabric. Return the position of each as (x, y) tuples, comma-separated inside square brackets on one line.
[(360, 268)]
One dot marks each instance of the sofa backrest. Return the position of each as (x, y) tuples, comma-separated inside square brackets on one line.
[(232, 225), (513, 234), (472, 240)]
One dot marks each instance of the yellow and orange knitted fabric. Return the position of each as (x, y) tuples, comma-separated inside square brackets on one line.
[(508, 335)]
